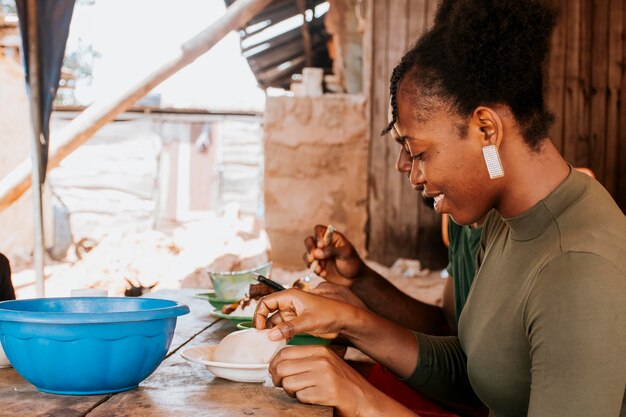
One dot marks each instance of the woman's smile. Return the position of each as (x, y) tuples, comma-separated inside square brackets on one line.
[(438, 204)]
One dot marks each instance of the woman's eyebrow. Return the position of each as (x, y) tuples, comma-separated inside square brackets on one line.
[(400, 139), (406, 139), (396, 136)]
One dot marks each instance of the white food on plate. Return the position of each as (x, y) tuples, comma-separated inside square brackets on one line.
[(247, 346), (247, 311)]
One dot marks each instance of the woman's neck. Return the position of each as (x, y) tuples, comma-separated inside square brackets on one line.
[(530, 176)]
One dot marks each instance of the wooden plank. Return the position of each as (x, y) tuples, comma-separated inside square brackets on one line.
[(573, 94), (616, 61), (429, 246), (430, 13), (399, 197), (277, 10), (621, 169), (20, 398), (583, 112), (556, 80), (599, 88), (395, 221), (276, 56), (368, 56), (379, 100), (416, 21), (417, 13), (417, 24), (293, 35)]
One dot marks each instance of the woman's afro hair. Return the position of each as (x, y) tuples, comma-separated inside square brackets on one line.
[(482, 52)]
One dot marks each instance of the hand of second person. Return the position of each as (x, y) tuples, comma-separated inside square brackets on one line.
[(339, 262), (338, 292), (315, 375), (297, 311)]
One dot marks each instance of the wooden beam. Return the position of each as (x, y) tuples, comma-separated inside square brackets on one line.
[(101, 112)]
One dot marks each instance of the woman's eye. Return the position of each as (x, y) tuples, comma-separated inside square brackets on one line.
[(417, 157)]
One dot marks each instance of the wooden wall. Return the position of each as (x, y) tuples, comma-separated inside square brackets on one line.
[(587, 93), (588, 89), (400, 224)]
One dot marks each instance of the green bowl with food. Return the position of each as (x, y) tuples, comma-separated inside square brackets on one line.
[(233, 285)]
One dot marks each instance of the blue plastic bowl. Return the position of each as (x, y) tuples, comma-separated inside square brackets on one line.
[(87, 345)]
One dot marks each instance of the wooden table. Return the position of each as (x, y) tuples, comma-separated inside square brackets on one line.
[(176, 388)]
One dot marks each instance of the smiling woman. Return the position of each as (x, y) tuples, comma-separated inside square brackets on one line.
[(476, 141), (469, 114)]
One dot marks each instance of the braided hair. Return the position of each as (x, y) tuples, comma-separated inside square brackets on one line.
[(407, 62), (483, 52)]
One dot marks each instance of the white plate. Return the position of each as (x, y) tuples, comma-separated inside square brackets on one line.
[(241, 372)]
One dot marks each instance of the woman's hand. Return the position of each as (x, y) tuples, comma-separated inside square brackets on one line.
[(301, 312), (339, 262), (293, 311), (315, 375)]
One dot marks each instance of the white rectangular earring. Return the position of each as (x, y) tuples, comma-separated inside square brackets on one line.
[(492, 160)]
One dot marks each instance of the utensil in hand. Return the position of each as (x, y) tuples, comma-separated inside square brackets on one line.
[(303, 283), (272, 284)]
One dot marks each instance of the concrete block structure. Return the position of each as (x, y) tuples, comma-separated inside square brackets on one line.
[(316, 157)]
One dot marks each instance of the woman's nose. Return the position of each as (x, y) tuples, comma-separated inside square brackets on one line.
[(404, 162), (416, 177)]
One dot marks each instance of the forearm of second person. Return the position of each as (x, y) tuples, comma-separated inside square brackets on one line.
[(383, 298)]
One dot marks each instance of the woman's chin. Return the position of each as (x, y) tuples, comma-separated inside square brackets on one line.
[(459, 219), (438, 204)]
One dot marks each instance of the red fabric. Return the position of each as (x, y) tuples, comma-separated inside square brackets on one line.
[(389, 384)]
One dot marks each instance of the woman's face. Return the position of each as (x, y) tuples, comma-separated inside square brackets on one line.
[(443, 164)]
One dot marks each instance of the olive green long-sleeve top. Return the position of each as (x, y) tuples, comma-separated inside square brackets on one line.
[(543, 332)]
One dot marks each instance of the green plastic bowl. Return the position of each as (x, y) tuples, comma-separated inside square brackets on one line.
[(235, 285), (297, 340)]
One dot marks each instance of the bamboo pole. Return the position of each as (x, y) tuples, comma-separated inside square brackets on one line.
[(79, 130)]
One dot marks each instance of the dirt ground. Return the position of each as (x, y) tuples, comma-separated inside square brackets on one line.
[(180, 255)]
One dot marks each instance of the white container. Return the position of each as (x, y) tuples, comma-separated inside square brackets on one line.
[(89, 292), (312, 81), (297, 88)]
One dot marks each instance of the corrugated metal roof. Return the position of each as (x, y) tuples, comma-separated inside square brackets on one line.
[(275, 41)]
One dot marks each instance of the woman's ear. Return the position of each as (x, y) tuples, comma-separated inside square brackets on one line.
[(488, 129), (487, 126)]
